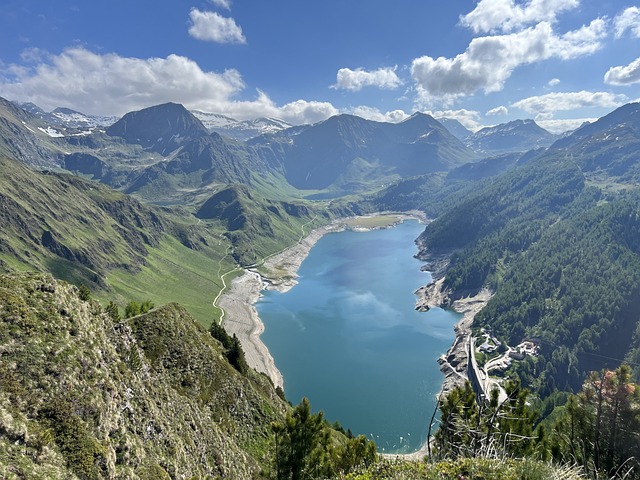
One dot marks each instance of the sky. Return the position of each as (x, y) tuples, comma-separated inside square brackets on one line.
[(482, 62)]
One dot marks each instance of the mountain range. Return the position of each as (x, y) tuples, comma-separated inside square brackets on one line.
[(158, 204), (349, 153), (515, 136), (240, 129)]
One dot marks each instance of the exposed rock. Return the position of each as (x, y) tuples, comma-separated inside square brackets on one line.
[(150, 397)]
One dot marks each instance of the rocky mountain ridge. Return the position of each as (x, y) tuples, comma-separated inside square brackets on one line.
[(84, 394), (347, 152), (515, 136)]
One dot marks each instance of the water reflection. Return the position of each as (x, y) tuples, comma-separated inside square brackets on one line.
[(348, 336)]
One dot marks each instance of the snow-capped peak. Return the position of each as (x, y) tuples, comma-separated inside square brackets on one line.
[(240, 129)]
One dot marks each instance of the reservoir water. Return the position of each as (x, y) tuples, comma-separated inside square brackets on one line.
[(348, 337)]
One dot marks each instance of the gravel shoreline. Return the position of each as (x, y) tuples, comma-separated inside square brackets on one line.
[(241, 317), (453, 364)]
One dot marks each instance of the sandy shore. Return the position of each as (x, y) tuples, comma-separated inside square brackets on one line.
[(241, 317)]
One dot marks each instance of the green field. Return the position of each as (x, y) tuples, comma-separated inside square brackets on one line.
[(175, 273), (378, 221)]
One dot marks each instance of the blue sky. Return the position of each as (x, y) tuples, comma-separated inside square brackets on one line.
[(482, 62)]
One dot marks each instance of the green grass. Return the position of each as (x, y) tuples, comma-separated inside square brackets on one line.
[(468, 468), (175, 273), (378, 221)]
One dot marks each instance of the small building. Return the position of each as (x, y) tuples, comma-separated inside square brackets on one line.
[(516, 355), (487, 347)]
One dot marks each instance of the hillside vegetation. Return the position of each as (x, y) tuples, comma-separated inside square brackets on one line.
[(553, 233), (562, 257), (83, 395)]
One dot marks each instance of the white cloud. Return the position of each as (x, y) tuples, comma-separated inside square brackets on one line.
[(303, 111), (211, 26), (33, 55), (624, 75), (113, 85), (565, 125), (355, 80), (553, 82), (501, 110), (629, 19), (489, 61), (468, 118), (226, 4), (507, 15), (371, 113), (544, 105), (584, 41)]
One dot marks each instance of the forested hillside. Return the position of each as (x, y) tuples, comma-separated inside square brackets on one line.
[(552, 233), (557, 241)]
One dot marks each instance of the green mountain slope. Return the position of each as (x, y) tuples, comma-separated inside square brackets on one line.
[(85, 396), (256, 226), (560, 251), (606, 150), (349, 154), (87, 233)]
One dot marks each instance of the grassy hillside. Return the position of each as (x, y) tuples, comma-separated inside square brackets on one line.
[(89, 234), (84, 395), (256, 226)]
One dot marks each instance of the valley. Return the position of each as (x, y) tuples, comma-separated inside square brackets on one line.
[(530, 236)]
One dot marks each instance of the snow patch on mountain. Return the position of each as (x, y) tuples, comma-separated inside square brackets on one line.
[(66, 122), (52, 132), (240, 129)]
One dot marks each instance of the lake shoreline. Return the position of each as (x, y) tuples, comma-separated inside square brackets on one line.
[(280, 273), (453, 364)]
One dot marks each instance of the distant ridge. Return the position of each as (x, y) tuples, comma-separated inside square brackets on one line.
[(456, 128), (515, 136), (348, 152), (240, 130)]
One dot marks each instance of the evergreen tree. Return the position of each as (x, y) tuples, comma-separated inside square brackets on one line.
[(306, 447), (469, 428), (113, 311), (146, 306), (218, 332), (600, 426), (235, 355), (296, 439), (84, 293), (132, 309)]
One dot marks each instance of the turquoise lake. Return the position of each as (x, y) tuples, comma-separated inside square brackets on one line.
[(348, 337)]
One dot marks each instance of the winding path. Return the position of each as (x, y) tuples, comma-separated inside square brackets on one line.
[(238, 268)]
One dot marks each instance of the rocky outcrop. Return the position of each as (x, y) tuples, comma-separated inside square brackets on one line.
[(84, 394)]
